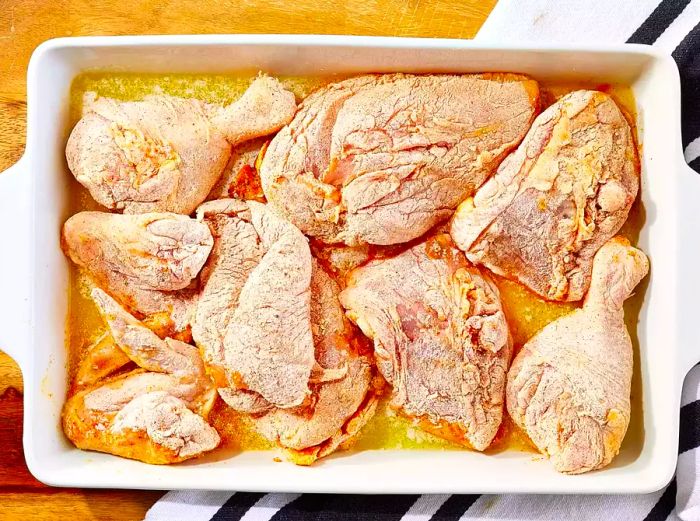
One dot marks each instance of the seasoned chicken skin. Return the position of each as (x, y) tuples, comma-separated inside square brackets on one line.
[(157, 413), (556, 200), (147, 262), (569, 387), (166, 153), (157, 251), (383, 158), (440, 338)]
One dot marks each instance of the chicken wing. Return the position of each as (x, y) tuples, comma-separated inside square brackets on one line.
[(157, 413)]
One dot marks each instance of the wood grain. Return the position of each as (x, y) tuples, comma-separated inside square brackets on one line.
[(80, 505), (24, 24)]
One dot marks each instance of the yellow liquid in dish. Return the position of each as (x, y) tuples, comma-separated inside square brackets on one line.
[(526, 312)]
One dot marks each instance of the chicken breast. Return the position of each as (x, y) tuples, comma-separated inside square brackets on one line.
[(157, 413), (166, 153), (147, 262), (252, 323), (275, 338), (569, 386), (440, 338), (344, 393), (237, 250), (382, 158), (556, 200)]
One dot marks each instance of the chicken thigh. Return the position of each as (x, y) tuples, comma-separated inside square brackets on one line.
[(166, 153), (157, 413), (569, 386), (556, 200), (147, 262), (381, 159), (440, 338)]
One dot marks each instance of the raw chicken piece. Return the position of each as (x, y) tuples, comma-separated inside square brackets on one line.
[(343, 403), (237, 250), (166, 153), (269, 340), (240, 179), (440, 338), (102, 358), (340, 259), (569, 387), (158, 251), (252, 322), (382, 158), (156, 414), (556, 200), (334, 396), (146, 261)]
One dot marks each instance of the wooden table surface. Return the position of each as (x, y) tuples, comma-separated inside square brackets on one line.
[(24, 24)]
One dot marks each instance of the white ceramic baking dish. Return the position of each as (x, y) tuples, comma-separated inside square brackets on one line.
[(33, 297)]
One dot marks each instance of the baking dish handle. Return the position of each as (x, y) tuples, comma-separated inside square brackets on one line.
[(689, 267), (14, 261)]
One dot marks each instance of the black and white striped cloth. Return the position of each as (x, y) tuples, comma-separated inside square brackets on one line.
[(672, 25)]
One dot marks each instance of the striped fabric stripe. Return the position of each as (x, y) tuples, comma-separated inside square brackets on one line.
[(347, 507), (665, 505), (236, 506), (695, 164), (688, 59), (664, 14), (455, 507), (692, 151), (689, 427), (425, 507), (268, 506), (668, 23)]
